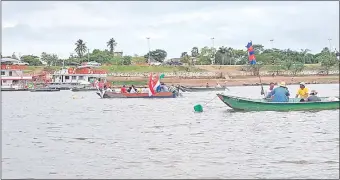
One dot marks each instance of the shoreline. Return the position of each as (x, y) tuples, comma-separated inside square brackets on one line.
[(244, 81)]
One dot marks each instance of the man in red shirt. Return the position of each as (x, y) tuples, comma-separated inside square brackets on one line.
[(123, 89)]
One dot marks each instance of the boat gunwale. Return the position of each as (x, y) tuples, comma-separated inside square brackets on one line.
[(263, 102)]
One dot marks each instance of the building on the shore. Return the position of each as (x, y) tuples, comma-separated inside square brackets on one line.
[(118, 53), (12, 74)]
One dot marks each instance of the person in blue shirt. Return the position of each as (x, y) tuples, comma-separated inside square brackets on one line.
[(280, 94)]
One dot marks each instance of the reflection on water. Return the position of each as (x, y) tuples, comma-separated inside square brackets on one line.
[(52, 135)]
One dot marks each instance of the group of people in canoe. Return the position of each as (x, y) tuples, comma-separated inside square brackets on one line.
[(162, 88), (281, 93)]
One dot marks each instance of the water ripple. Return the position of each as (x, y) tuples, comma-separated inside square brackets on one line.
[(164, 138)]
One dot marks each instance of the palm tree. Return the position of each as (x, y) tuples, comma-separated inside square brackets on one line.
[(112, 44), (223, 51), (304, 54), (194, 54), (230, 54), (80, 48)]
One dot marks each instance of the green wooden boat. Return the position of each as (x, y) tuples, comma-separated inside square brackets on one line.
[(246, 104)]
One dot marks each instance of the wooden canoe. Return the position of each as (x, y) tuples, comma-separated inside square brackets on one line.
[(83, 89), (136, 95), (246, 104)]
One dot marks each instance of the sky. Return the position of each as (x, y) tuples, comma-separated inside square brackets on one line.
[(54, 26)]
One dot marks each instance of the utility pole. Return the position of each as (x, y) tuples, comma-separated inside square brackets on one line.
[(213, 51), (330, 46), (272, 43), (149, 60)]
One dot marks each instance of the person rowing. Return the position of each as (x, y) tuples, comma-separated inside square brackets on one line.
[(281, 93)]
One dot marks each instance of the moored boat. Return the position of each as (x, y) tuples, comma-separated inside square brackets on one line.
[(136, 95), (45, 90), (246, 104), (203, 89), (14, 89), (66, 79), (12, 76), (84, 89)]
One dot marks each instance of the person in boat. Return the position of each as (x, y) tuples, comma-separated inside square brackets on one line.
[(302, 92), (313, 96), (100, 85), (218, 85), (268, 92), (133, 89), (207, 85), (281, 93), (164, 88), (145, 90), (123, 89), (108, 89), (174, 90)]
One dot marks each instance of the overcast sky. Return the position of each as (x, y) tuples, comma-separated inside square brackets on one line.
[(54, 27)]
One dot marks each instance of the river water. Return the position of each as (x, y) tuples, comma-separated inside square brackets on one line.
[(78, 135)]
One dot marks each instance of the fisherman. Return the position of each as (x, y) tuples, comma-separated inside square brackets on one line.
[(174, 90), (268, 92), (312, 96), (133, 89), (281, 93), (302, 92), (108, 89), (123, 89), (164, 88)]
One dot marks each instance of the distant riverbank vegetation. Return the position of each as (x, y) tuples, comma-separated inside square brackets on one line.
[(276, 59)]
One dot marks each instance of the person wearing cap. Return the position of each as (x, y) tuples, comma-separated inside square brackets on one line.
[(268, 92), (312, 96), (281, 93), (302, 91)]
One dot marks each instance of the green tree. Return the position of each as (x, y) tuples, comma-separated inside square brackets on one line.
[(329, 62), (206, 55), (221, 55), (297, 68), (31, 60), (126, 60), (195, 52), (112, 45), (81, 48), (185, 58), (157, 55), (50, 59), (137, 59)]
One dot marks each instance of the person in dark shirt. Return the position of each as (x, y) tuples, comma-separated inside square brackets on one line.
[(312, 96)]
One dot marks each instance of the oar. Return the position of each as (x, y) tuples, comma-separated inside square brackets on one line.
[(262, 90)]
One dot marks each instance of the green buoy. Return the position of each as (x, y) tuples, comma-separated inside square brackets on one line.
[(198, 108)]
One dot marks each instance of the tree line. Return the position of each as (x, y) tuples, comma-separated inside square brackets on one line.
[(282, 58)]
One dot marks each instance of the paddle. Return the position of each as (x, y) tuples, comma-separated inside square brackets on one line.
[(262, 90)]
